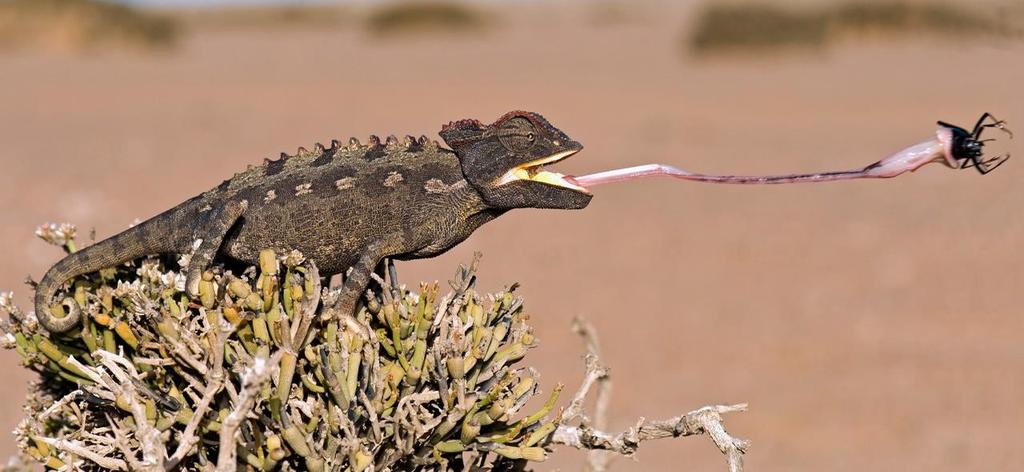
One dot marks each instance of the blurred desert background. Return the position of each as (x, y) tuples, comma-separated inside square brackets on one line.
[(872, 325)]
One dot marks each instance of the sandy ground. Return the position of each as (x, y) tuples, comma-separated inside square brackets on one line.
[(870, 325)]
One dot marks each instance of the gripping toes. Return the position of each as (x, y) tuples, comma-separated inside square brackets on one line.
[(208, 243)]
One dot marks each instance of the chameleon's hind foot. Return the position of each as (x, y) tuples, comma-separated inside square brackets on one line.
[(192, 284)]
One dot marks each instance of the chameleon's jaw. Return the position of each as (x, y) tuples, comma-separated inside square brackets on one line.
[(534, 171)]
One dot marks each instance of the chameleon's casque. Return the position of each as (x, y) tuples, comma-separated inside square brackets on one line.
[(347, 206)]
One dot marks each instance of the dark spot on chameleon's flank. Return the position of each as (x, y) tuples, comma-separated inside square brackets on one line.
[(380, 176), (255, 196), (274, 167), (430, 170), (322, 160), (375, 152), (117, 246), (408, 233), (284, 189), (223, 187)]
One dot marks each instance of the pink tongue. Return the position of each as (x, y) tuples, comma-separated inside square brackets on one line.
[(571, 180)]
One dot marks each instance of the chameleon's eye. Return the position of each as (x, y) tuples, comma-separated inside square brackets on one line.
[(518, 135)]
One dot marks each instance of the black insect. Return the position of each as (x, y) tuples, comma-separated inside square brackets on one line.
[(967, 145)]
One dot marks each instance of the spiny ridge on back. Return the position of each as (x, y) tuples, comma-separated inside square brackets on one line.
[(461, 123), (409, 143), (373, 149)]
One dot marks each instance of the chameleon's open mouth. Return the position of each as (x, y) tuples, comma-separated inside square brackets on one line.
[(534, 171)]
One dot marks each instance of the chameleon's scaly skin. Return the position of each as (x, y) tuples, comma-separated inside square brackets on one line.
[(344, 206)]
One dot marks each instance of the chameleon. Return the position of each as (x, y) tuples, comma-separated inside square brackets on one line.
[(345, 207)]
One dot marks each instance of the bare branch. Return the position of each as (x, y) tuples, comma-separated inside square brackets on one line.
[(252, 381), (78, 449), (706, 420), (216, 381), (597, 459)]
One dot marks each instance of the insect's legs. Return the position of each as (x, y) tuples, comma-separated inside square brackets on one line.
[(999, 160), (996, 123), (977, 126), (983, 166)]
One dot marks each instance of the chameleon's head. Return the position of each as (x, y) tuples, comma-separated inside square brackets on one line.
[(504, 161)]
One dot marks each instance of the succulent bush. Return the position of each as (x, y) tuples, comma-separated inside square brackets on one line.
[(84, 24), (425, 16), (262, 373), (755, 26)]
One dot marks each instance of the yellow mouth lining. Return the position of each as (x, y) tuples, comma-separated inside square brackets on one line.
[(528, 171)]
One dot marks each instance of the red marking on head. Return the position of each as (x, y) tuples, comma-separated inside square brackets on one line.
[(513, 114)]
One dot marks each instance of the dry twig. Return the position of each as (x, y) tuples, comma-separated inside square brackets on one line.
[(706, 420)]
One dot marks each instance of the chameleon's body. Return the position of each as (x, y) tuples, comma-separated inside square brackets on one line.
[(347, 206)]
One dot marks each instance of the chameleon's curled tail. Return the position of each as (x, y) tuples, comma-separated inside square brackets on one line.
[(47, 288), (154, 236)]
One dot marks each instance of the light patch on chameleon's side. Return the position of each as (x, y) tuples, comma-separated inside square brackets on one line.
[(344, 184), (196, 243), (303, 189), (438, 186), (393, 178), (271, 195), (205, 208)]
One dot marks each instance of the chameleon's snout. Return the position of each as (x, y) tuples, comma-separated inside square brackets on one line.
[(534, 171)]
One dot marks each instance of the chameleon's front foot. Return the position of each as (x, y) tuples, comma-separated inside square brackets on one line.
[(344, 308)]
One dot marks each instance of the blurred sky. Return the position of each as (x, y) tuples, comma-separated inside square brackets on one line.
[(196, 3)]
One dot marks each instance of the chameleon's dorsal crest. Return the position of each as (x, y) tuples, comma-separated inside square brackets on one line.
[(376, 150), (411, 144), (460, 131), (323, 156)]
